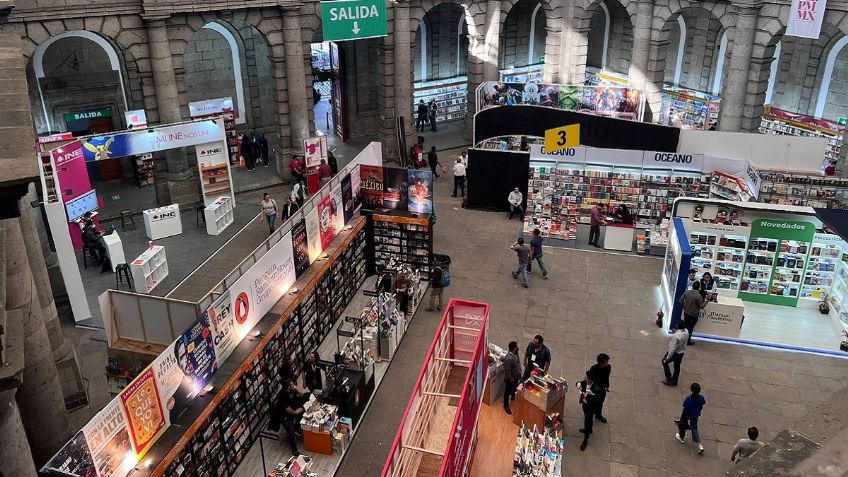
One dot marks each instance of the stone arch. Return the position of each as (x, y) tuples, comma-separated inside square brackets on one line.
[(439, 48), (833, 95), (606, 28), (523, 17)]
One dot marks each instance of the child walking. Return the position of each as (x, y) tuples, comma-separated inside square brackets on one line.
[(692, 406)]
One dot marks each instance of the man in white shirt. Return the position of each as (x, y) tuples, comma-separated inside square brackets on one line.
[(459, 177), (746, 447), (515, 199), (464, 158), (676, 348)]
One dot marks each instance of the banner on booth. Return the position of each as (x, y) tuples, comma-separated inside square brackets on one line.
[(420, 198), (210, 107), (222, 324), (143, 408), (315, 150), (109, 441), (176, 385), (325, 222), (347, 198), (805, 18), (337, 209), (395, 188), (313, 235), (300, 247), (355, 185), (132, 143), (74, 458), (371, 186), (198, 344)]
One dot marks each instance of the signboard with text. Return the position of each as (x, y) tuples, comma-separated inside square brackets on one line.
[(353, 19), (564, 137)]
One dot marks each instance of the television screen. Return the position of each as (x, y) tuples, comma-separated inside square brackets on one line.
[(78, 206)]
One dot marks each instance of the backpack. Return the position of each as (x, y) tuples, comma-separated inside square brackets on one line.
[(446, 280)]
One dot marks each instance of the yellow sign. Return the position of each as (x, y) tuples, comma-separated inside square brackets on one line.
[(560, 138)]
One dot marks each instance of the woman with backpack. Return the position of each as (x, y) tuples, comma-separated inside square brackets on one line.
[(439, 279)]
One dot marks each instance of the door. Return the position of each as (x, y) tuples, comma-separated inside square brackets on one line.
[(337, 97)]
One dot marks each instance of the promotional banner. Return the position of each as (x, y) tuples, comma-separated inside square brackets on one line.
[(199, 348), (371, 186), (355, 185), (325, 222), (108, 440), (143, 408), (222, 324), (257, 290), (152, 140), (395, 193), (313, 235), (74, 458), (300, 247), (337, 209), (176, 385), (420, 191), (315, 150), (805, 18), (347, 198), (210, 107)]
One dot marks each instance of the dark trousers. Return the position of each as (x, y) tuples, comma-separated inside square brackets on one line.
[(509, 392), (420, 123), (599, 408), (594, 234), (677, 358), (250, 159), (432, 122), (516, 208), (689, 321), (459, 182), (291, 428), (433, 168), (588, 420), (689, 423)]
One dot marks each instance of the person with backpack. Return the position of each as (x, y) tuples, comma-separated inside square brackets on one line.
[(692, 407), (439, 279), (298, 193)]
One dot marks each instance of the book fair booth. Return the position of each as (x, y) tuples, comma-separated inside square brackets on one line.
[(342, 278)]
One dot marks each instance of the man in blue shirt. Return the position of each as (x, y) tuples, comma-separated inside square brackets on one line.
[(536, 253), (692, 407)]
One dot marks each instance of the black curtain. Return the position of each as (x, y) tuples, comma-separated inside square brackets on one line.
[(492, 174), (595, 131)]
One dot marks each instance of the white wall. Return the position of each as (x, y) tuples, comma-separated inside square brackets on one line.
[(765, 152)]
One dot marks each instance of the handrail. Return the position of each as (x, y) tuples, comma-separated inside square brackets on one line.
[(155, 297)]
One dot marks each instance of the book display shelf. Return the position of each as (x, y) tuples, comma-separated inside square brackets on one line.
[(231, 424), (778, 122), (149, 269), (719, 248), (405, 237), (218, 215), (838, 297), (804, 190), (450, 95), (695, 109), (820, 273)]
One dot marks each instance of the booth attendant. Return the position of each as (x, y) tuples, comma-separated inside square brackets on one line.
[(515, 199), (537, 355)]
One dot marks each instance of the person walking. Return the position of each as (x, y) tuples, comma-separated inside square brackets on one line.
[(515, 198), (458, 178), (433, 162), (324, 172), (596, 219), (247, 152), (693, 303), (537, 355), (676, 348), (334, 163), (298, 193), (589, 400), (692, 407), (269, 207), (437, 273), (432, 110), (745, 448), (421, 117), (263, 150), (523, 252), (512, 375), (536, 253), (599, 374), (464, 158), (289, 209)]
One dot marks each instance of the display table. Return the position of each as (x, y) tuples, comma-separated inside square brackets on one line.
[(722, 318), (533, 403), (619, 237), (149, 269), (114, 249), (163, 222)]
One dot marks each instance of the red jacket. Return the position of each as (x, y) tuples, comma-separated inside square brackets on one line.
[(325, 171)]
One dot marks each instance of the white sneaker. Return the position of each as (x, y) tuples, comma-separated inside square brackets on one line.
[(700, 449), (679, 439)]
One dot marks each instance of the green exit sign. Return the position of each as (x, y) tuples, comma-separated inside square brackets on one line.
[(353, 19), (842, 121)]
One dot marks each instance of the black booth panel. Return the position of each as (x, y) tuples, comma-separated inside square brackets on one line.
[(492, 174), (595, 131)]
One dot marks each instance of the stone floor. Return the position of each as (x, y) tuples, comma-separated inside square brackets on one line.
[(598, 302)]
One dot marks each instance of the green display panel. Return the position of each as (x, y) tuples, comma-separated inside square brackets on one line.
[(353, 19), (775, 261)]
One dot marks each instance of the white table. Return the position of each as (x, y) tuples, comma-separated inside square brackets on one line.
[(114, 249), (722, 318), (619, 238), (163, 222)]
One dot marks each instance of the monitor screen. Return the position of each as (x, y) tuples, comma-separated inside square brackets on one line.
[(78, 206)]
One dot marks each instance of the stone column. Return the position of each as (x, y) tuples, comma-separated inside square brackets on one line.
[(181, 188), (474, 71), (295, 77), (402, 56), (491, 45), (15, 453), (735, 86), (553, 37), (640, 59)]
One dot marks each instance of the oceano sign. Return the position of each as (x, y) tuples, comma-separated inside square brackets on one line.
[(678, 158)]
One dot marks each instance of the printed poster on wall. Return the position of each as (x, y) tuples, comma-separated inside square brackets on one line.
[(347, 198), (325, 222), (259, 288), (395, 188), (313, 235), (74, 458), (143, 408), (300, 248), (222, 324), (355, 183), (805, 18), (420, 191), (199, 348), (371, 186), (176, 385), (337, 209), (108, 440), (315, 150)]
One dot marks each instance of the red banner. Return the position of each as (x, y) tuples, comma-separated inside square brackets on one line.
[(325, 221)]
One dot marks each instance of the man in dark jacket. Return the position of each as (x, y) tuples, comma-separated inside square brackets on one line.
[(512, 374), (421, 116), (91, 241), (334, 164), (433, 161), (263, 149), (600, 374)]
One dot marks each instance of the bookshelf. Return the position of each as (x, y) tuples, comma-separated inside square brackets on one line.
[(149, 269), (779, 122), (404, 237), (451, 97), (218, 215), (804, 190)]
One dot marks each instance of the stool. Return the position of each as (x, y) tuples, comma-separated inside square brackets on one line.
[(127, 216), (199, 215), (122, 272), (90, 252)]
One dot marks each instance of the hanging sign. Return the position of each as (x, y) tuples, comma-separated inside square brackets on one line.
[(560, 138), (136, 119), (805, 18), (210, 106), (151, 140), (96, 114), (315, 150), (353, 19)]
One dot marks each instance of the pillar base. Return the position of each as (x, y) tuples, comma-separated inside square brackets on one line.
[(184, 191)]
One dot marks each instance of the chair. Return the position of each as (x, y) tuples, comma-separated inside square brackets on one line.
[(127, 216), (86, 252), (122, 272), (199, 215)]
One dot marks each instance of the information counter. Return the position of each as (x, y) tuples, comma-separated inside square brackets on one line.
[(163, 222), (538, 397), (722, 318), (619, 237)]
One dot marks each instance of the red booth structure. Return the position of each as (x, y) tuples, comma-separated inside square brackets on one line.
[(439, 428)]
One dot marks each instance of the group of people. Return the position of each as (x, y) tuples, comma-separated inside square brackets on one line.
[(254, 150), (288, 408), (426, 113), (526, 255), (699, 292), (271, 211)]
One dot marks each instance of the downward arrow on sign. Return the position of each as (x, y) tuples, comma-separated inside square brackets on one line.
[(355, 28)]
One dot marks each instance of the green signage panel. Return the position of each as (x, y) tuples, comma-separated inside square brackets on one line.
[(353, 19), (776, 261), (97, 113), (842, 121)]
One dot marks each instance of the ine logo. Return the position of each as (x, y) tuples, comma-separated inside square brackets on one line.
[(165, 216)]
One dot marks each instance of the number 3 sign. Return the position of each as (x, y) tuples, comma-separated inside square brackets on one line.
[(563, 137)]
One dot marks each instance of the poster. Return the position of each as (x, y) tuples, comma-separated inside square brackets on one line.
[(143, 408), (325, 222), (355, 184), (420, 191), (176, 387), (300, 247), (394, 195), (313, 235), (569, 97), (371, 186), (222, 324), (347, 198), (315, 150), (261, 287), (549, 95), (74, 458), (497, 93), (133, 143), (805, 18), (337, 209), (108, 440), (136, 119), (195, 352)]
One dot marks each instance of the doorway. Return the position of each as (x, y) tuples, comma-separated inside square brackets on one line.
[(328, 89)]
